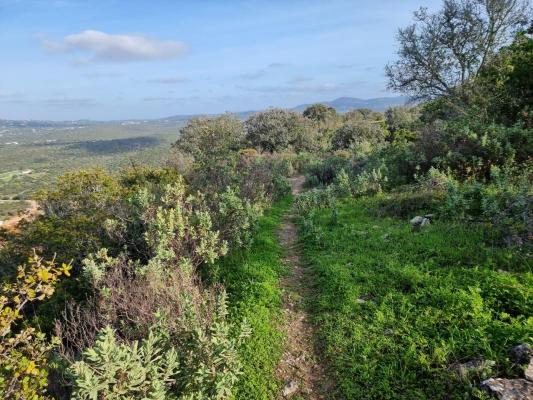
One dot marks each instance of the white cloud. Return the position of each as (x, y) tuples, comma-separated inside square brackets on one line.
[(104, 47)]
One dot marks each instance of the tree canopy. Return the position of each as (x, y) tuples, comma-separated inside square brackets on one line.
[(440, 52)]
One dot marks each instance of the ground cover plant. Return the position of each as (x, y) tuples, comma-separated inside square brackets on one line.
[(251, 277), (150, 264), (399, 311)]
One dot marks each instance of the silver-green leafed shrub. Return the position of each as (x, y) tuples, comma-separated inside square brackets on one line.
[(211, 365), (343, 184), (192, 359), (180, 228), (508, 205), (235, 218), (365, 183), (369, 182), (113, 370), (315, 199)]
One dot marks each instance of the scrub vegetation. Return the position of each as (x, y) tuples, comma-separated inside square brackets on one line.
[(143, 276)]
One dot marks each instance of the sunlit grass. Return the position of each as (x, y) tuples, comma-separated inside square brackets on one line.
[(396, 309)]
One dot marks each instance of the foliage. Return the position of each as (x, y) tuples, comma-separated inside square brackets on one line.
[(365, 183), (440, 52), (190, 364), (235, 218), (324, 171), (24, 350), (262, 179), (506, 203), (396, 310), (277, 130), (361, 137), (504, 87), (315, 199), (117, 370), (211, 139), (426, 196), (212, 363), (401, 123), (319, 112), (136, 304), (74, 212), (362, 114), (180, 229), (325, 120), (251, 277)]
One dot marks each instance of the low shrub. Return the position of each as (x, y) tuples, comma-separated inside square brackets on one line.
[(315, 199), (324, 172), (24, 350), (118, 370), (235, 218), (410, 201), (506, 203), (198, 362)]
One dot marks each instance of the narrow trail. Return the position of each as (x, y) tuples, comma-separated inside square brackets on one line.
[(299, 368), (29, 213)]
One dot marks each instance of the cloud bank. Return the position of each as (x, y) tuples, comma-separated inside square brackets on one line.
[(104, 47)]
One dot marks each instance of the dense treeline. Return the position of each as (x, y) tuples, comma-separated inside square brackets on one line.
[(120, 297)]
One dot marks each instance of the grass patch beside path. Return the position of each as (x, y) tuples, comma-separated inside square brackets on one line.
[(396, 309), (251, 277)]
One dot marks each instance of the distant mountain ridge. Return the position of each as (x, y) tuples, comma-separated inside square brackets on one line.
[(343, 104)]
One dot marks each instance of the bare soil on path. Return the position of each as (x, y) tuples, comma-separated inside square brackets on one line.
[(29, 213), (299, 369)]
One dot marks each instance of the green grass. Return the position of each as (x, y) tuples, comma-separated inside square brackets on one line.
[(251, 277), (396, 309), (42, 154)]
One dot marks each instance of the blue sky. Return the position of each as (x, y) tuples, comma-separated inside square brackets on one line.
[(96, 59)]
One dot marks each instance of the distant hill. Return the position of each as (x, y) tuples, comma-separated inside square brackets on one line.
[(184, 117), (343, 104)]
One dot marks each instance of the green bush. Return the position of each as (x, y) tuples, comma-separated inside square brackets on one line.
[(186, 364), (506, 203), (409, 202), (325, 171), (276, 130), (235, 219), (361, 137), (24, 350), (109, 369), (315, 199), (208, 140)]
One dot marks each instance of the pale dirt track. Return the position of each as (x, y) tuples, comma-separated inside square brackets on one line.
[(300, 369), (29, 213)]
